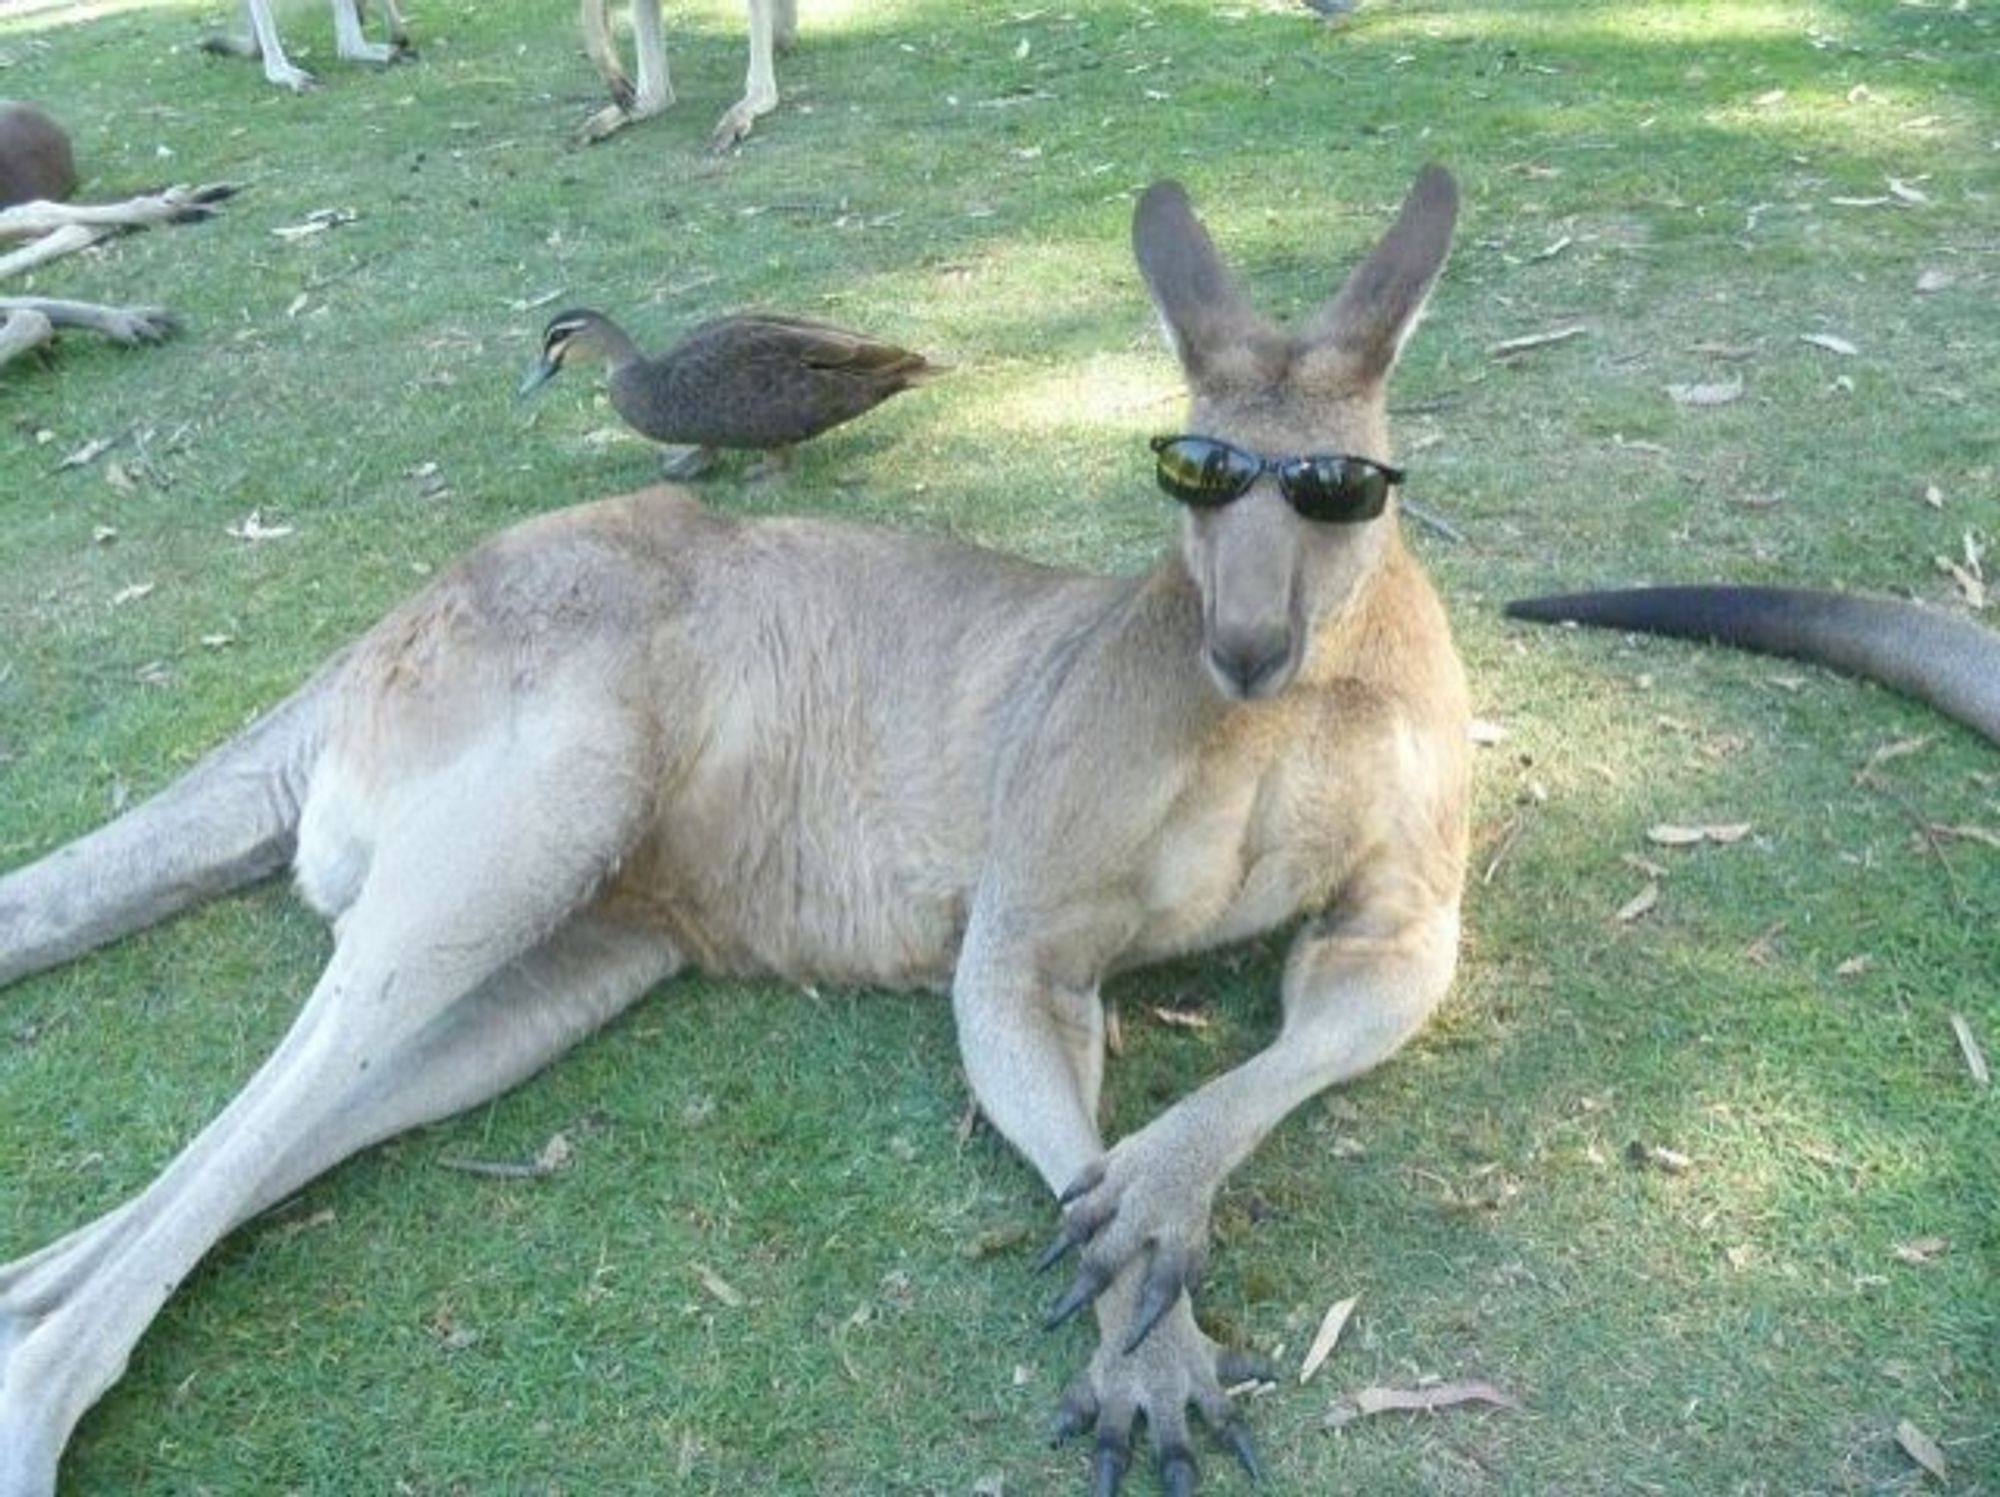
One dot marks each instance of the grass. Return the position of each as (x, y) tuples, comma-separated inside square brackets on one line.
[(960, 177)]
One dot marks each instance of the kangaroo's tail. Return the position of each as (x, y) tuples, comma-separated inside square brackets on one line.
[(1950, 663), (230, 820)]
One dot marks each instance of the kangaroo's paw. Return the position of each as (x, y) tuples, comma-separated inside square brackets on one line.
[(1177, 1366), (604, 124), (1133, 1206), (736, 122), (138, 324)]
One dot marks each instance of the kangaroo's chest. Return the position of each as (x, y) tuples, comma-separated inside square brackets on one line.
[(1243, 852)]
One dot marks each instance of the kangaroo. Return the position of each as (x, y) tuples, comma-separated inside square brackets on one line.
[(349, 41), (36, 163), (1952, 664), (773, 25), (636, 736)]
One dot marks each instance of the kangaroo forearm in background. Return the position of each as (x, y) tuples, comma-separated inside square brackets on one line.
[(1951, 663)]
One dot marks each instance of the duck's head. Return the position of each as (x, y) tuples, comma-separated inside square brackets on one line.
[(578, 334)]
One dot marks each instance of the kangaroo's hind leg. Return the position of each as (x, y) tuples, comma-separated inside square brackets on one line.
[(519, 1020), (654, 90), (469, 957)]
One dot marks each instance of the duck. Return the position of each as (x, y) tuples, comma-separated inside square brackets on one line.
[(753, 381)]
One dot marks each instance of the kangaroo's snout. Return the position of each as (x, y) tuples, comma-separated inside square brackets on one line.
[(1249, 667)]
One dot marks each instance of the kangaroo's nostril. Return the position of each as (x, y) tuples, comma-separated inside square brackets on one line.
[(1252, 667)]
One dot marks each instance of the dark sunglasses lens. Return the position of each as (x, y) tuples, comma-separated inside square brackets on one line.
[(1335, 490), (1203, 473)]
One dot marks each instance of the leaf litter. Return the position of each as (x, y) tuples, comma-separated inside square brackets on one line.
[(1639, 904), (1722, 392), (1921, 1448), (1327, 1337), (1968, 1046), (1367, 1401), (1668, 834), (1507, 348)]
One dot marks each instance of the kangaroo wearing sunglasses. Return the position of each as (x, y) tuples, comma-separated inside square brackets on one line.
[(636, 736)]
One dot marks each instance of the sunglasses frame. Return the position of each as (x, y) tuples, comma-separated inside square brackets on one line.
[(1288, 472)]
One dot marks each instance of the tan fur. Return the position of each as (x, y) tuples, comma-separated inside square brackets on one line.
[(636, 735), (772, 25), (350, 43)]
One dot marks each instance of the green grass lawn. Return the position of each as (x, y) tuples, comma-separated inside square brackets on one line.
[(774, 1265)]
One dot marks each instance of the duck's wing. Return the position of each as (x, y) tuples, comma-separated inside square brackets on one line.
[(770, 339)]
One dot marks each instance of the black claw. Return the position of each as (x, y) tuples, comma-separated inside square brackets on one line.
[(1083, 1184), (1076, 1413), (1057, 1250), (1235, 1435), (1233, 1367), (1107, 1467), (1160, 1293), (1177, 1473), (1090, 1281)]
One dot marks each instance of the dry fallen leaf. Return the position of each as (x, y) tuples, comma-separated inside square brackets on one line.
[(1903, 192), (131, 594), (1968, 1046), (1970, 583), (718, 1286), (1180, 1018), (1920, 1249), (1659, 1156), (316, 222), (1830, 342), (1854, 966), (89, 452), (116, 475), (1921, 1448), (1667, 834), (1417, 1400), (1898, 749), (252, 528), (1932, 280), (1327, 1337), (1965, 832), (284, 1231), (1486, 732), (1512, 346), (1765, 948), (1720, 393), (556, 1155), (1638, 904)]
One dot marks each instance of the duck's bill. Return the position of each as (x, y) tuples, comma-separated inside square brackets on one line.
[(541, 374)]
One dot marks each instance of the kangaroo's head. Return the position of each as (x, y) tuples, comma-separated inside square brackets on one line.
[(1282, 467)]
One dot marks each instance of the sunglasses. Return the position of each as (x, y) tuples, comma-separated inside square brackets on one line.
[(1329, 488)]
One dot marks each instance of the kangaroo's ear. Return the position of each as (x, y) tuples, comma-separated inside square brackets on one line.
[(1379, 306), (1203, 310)]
